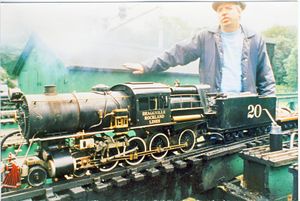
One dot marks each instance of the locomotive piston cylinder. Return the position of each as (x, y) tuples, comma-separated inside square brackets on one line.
[(61, 163)]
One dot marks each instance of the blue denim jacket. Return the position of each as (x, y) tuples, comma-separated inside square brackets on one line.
[(257, 75)]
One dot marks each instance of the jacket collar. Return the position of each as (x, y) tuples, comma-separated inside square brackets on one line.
[(248, 33)]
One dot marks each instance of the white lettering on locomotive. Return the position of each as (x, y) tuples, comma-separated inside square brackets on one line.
[(154, 116), (254, 111)]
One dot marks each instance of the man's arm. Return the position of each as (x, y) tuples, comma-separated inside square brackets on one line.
[(265, 80), (182, 53)]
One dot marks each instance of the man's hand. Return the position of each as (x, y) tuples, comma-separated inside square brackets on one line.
[(136, 68)]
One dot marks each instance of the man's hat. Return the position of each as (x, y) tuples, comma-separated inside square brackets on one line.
[(215, 5)]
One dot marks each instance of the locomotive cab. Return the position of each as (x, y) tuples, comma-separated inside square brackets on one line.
[(150, 102)]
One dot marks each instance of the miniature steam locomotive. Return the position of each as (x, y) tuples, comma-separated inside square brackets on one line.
[(80, 132)]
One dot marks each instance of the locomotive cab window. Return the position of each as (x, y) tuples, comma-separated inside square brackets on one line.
[(163, 102), (153, 103), (143, 103)]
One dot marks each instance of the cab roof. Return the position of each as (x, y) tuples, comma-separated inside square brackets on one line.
[(140, 88)]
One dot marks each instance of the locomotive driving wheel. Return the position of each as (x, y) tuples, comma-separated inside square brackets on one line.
[(159, 141), (106, 154), (187, 137), (139, 143)]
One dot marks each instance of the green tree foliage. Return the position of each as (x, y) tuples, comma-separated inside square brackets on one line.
[(5, 78), (285, 59), (291, 66), (8, 58)]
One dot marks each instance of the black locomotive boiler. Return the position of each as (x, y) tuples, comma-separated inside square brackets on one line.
[(81, 132)]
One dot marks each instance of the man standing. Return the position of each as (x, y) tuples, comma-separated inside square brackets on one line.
[(232, 58)]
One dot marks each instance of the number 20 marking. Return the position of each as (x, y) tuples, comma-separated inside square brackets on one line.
[(254, 111)]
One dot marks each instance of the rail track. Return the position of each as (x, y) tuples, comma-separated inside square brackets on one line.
[(122, 175)]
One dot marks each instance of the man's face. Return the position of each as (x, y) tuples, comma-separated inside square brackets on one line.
[(229, 14)]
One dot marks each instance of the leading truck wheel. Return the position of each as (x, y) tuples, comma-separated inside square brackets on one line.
[(187, 137), (107, 153), (37, 176), (158, 142), (139, 143)]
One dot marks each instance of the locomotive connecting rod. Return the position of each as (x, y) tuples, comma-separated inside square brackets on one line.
[(123, 156), (105, 160)]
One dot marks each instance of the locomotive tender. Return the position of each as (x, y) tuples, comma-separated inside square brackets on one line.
[(81, 132)]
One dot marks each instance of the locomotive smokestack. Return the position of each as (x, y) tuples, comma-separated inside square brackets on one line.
[(50, 90)]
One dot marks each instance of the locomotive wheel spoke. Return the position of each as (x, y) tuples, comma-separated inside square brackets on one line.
[(187, 137), (139, 143), (108, 166), (158, 142)]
